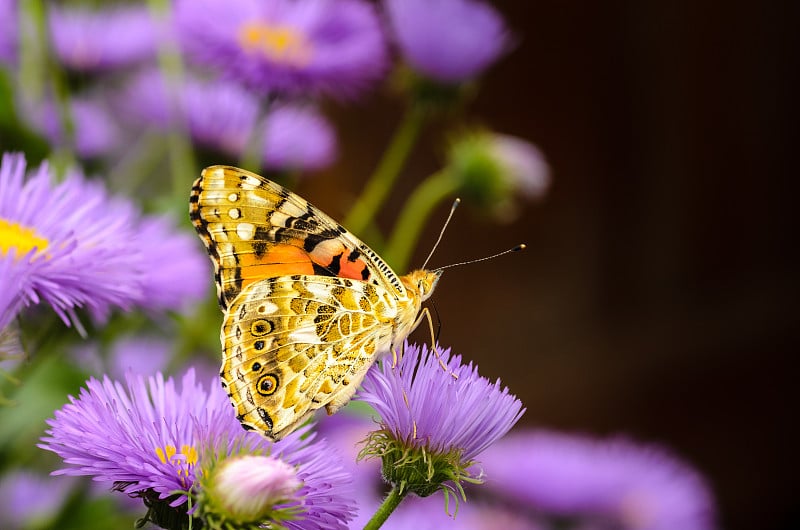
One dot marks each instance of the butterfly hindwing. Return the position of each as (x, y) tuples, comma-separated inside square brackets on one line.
[(293, 344), (254, 228)]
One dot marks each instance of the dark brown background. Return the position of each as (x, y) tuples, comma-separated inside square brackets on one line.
[(658, 296)]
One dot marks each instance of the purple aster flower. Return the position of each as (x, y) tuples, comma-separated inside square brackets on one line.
[(96, 133), (447, 416), (641, 487), (152, 437), (333, 47), (88, 40), (9, 32), (297, 138), (223, 115), (71, 238), (138, 355), (174, 268), (450, 41), (28, 500)]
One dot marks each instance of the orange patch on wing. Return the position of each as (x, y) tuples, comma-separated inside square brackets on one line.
[(352, 269), (279, 260)]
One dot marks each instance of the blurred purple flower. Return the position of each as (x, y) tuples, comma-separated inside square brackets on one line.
[(450, 41), (638, 487), (332, 47), (9, 32), (95, 40), (224, 116), (71, 239), (96, 133), (151, 436), (297, 138), (175, 270), (134, 354), (441, 410), (28, 500)]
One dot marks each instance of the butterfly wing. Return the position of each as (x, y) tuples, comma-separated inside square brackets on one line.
[(293, 344), (254, 228)]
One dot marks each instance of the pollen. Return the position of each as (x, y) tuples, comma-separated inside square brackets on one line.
[(182, 461), (281, 44), (20, 238)]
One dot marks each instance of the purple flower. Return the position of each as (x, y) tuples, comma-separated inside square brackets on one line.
[(446, 416), (134, 354), (297, 138), (72, 245), (9, 32), (332, 47), (96, 133), (450, 41), (28, 500), (89, 40), (641, 487), (174, 268), (224, 116), (71, 239), (151, 437)]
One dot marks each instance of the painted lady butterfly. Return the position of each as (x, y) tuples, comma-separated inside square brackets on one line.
[(308, 306)]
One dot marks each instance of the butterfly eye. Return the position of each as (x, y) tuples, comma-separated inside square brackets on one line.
[(267, 385)]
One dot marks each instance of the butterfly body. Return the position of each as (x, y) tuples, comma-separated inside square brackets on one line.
[(307, 306)]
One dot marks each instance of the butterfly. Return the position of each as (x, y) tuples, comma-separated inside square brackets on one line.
[(308, 307)]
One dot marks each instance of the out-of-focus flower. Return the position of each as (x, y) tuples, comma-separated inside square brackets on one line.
[(634, 486), (434, 421), (449, 41), (28, 500), (71, 239), (95, 132), (151, 438), (95, 40), (297, 138), (9, 32), (332, 47), (134, 354), (492, 170), (174, 268), (224, 116)]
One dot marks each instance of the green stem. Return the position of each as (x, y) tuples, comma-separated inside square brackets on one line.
[(380, 183), (386, 508), (182, 163), (414, 216)]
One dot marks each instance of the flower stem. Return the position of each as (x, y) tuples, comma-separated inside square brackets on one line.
[(389, 504), (419, 207), (380, 183), (181, 154)]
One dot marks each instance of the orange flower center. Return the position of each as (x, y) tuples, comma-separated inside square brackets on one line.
[(281, 44)]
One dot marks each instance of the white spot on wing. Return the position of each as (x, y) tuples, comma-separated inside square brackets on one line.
[(234, 213), (245, 231)]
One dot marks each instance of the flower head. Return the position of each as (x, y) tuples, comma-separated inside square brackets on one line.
[(492, 170), (93, 40), (638, 487), (28, 500), (297, 138), (449, 41), (153, 438), (73, 245), (446, 417), (332, 47)]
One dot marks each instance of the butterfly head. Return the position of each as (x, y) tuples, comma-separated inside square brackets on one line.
[(422, 281)]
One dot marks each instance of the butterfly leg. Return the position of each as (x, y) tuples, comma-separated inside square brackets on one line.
[(425, 313)]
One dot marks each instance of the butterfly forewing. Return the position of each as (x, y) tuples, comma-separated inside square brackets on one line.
[(254, 228)]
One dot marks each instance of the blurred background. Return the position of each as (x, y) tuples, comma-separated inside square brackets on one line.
[(657, 294)]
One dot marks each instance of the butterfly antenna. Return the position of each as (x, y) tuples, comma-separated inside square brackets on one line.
[(449, 216), (519, 247)]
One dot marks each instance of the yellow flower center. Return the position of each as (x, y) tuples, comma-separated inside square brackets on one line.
[(182, 461), (281, 44), (20, 238)]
